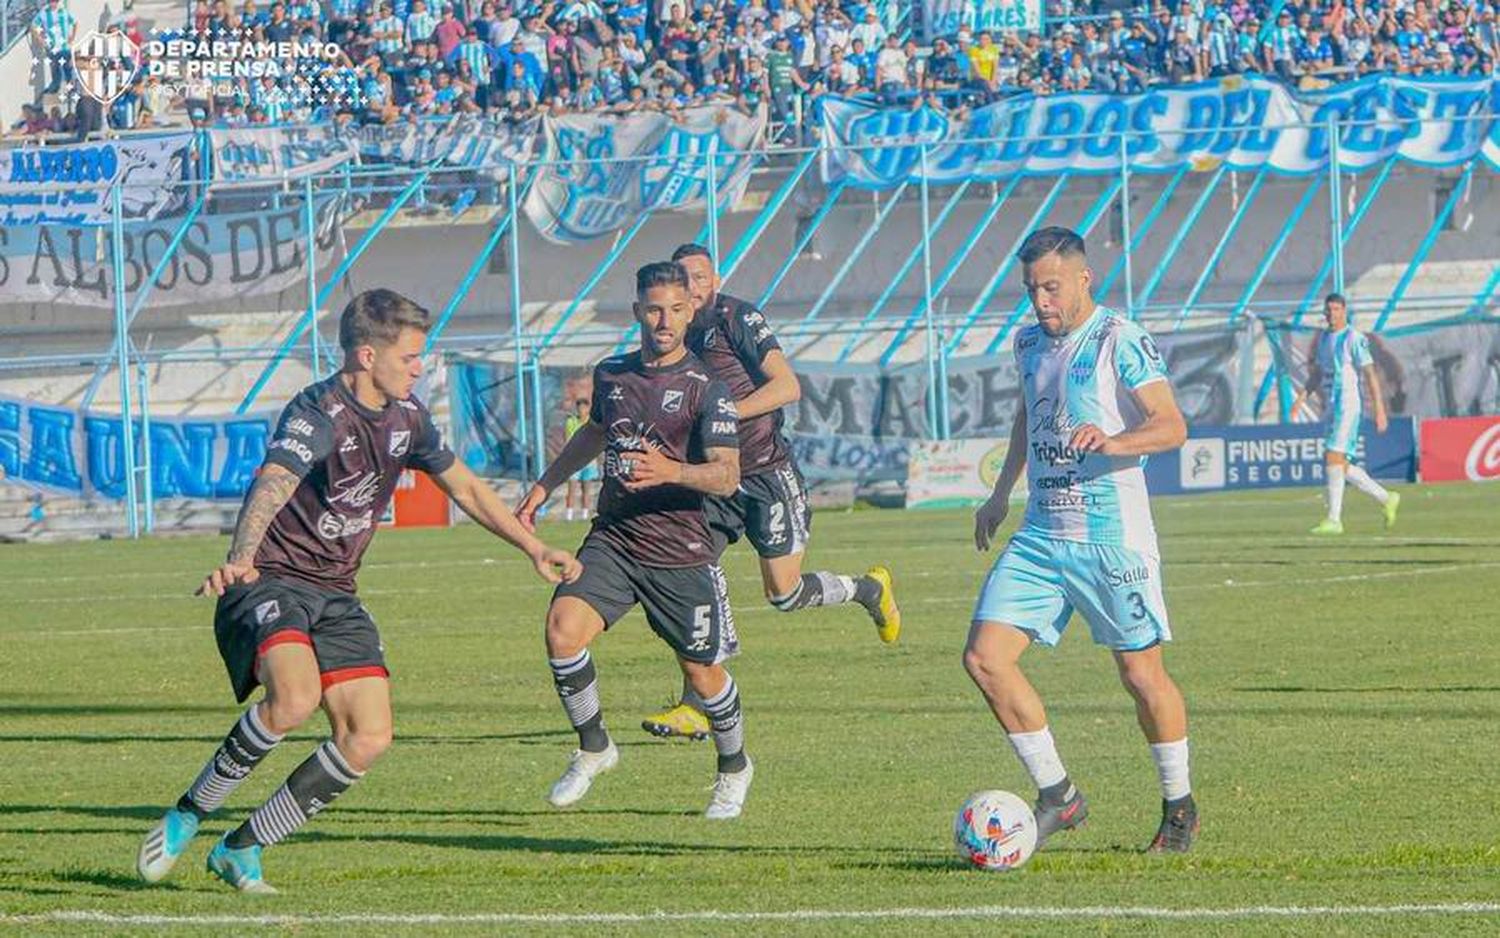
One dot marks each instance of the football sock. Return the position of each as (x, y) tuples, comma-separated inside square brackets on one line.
[(827, 589), (310, 788), (723, 711), (1335, 492), (241, 751), (1172, 768), (690, 696), (578, 686), (1038, 753), (1361, 480)]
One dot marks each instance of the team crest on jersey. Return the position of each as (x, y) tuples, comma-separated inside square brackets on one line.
[(268, 611), (671, 401), (400, 442), (711, 338)]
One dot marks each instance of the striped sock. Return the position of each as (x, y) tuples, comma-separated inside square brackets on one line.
[(724, 716), (310, 788), (241, 751), (578, 687), (822, 588)]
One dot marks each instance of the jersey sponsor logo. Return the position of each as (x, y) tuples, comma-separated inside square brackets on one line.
[(300, 450), (671, 401), (299, 426), (1049, 417), (1148, 345), (1129, 576), (400, 442), (357, 490), (349, 445), (333, 526), (1026, 341), (1065, 481), (1054, 454), (727, 408), (698, 375), (725, 427), (753, 317), (268, 611), (1483, 461)]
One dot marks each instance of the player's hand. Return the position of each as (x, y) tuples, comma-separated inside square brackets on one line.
[(556, 566), (649, 467), (1381, 422), (987, 521), (228, 574), (1090, 439), (526, 511)]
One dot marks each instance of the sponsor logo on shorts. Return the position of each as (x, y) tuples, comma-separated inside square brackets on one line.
[(1129, 576), (297, 449), (268, 611), (400, 442), (299, 426), (671, 401), (333, 526)]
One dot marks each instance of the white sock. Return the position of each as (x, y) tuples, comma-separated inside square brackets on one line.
[(1335, 492), (1172, 768), (1038, 753), (570, 514), (1362, 481)]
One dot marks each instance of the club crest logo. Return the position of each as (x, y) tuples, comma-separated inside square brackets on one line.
[(400, 442), (105, 63), (671, 401)]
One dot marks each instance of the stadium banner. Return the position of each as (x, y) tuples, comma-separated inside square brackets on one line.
[(955, 473), (1459, 449), (1436, 370), (466, 140), (946, 17), (279, 152), (1220, 458), (602, 171), (222, 256), (859, 422), (1246, 121), (34, 182), (81, 453)]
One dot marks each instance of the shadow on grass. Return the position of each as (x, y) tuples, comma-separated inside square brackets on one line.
[(103, 709), (109, 879), (548, 737), (1388, 689)]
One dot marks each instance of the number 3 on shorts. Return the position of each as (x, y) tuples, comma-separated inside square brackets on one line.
[(1137, 605)]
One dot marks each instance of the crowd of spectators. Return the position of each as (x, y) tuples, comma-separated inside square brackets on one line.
[(405, 59)]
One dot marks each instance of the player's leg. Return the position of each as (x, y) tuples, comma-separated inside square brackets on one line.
[(1389, 501), (1335, 467), (1162, 715), (721, 702), (570, 492), (1022, 602), (262, 636)]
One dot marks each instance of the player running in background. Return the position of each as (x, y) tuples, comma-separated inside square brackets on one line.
[(1341, 354), (1095, 401), (287, 615), (670, 437), (770, 508), (579, 483)]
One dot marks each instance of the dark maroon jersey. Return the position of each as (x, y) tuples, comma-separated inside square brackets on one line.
[(681, 411), (733, 338), (349, 459)]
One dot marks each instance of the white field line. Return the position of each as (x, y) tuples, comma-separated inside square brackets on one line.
[(795, 915)]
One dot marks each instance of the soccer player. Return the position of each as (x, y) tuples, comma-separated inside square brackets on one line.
[(669, 436), (1094, 402), (1341, 353), (770, 507), (288, 617), (580, 481)]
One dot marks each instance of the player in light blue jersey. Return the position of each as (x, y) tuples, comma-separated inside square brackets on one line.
[(1095, 401), (1339, 357)]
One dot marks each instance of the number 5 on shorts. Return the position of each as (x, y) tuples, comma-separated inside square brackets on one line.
[(702, 624)]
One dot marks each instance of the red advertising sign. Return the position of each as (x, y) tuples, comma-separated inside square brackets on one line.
[(1456, 449)]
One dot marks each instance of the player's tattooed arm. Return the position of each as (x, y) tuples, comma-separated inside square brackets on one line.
[(718, 475), (273, 486)]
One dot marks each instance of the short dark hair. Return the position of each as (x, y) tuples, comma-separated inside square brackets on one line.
[(1335, 298), (660, 274), (376, 317), (1054, 239), (685, 251)]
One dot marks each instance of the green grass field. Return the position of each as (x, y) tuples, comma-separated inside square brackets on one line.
[(1344, 697)]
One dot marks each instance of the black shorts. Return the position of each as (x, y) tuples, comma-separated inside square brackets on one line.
[(687, 606), (251, 619), (770, 507)]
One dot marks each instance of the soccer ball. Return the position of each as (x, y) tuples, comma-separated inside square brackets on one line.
[(995, 830)]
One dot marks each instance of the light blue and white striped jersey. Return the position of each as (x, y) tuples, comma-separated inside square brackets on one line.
[(1340, 357), (419, 26), (1086, 376), (55, 26)]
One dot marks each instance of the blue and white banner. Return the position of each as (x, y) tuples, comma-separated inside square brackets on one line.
[(1245, 122), (60, 449), (1218, 458), (68, 185), (602, 171), (465, 140), (222, 255), (282, 151), (946, 17)]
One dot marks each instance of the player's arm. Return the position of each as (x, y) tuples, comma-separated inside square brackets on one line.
[(719, 474), (781, 388), (991, 514), (582, 448), (480, 502), (1163, 429), (1377, 398), (273, 487)]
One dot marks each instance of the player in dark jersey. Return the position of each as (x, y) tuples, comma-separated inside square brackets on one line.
[(287, 617), (770, 508), (669, 437)]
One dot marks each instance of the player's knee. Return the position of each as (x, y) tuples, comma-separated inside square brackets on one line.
[(287, 708), (1145, 680), (363, 745), (979, 665)]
